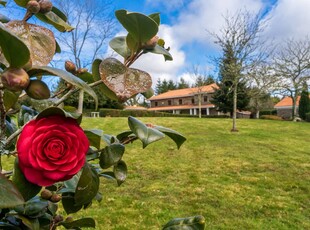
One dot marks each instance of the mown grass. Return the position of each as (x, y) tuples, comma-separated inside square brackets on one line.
[(258, 178)]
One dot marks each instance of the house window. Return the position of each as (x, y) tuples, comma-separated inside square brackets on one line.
[(180, 101), (205, 99), (169, 102), (156, 103), (193, 101)]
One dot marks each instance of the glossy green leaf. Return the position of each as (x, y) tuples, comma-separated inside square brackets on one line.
[(178, 138), (39, 40), (119, 45), (7, 226), (30, 223), (9, 194), (11, 45), (22, 3), (87, 187), (55, 20), (111, 155), (58, 111), (10, 98), (81, 223), (27, 189), (160, 50), (68, 203), (58, 49), (68, 77), (103, 88), (87, 77), (132, 44), (4, 19), (59, 13), (124, 135), (3, 3), (120, 172), (140, 26), (155, 17), (94, 137), (188, 223), (33, 208), (146, 134)]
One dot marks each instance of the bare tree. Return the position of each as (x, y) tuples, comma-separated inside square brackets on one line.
[(292, 66), (241, 34), (93, 26)]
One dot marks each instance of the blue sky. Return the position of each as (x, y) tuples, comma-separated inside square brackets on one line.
[(185, 24)]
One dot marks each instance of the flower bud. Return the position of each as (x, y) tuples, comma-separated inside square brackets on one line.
[(55, 198), (45, 6), (38, 90), (58, 218), (81, 70), (33, 6), (46, 194), (15, 79), (70, 67), (150, 44)]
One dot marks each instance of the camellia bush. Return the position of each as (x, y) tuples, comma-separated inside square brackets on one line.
[(56, 161)]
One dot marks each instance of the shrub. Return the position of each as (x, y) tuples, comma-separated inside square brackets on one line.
[(268, 112), (307, 117), (271, 117)]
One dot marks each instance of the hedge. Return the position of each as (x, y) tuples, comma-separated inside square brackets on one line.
[(144, 113), (271, 117), (268, 112)]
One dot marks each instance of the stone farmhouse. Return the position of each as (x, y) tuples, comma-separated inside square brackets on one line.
[(185, 101)]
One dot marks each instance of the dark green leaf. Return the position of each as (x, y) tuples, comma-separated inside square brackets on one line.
[(31, 223), (108, 139), (140, 26), (53, 19), (33, 208), (124, 135), (68, 203), (9, 194), (94, 137), (155, 17), (27, 189), (81, 223), (188, 223), (119, 45), (132, 44), (87, 187), (120, 172), (11, 45), (86, 76), (10, 98), (111, 155), (4, 19), (92, 155), (148, 94), (59, 13), (146, 134), (160, 50), (58, 111), (103, 88), (7, 226), (70, 78), (22, 3), (3, 3), (58, 49), (178, 138)]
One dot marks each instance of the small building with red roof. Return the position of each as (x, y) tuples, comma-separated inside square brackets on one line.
[(285, 106)]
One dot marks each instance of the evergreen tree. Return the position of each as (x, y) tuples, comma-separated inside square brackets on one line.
[(304, 102), (203, 80), (229, 71), (158, 87), (182, 84), (171, 85)]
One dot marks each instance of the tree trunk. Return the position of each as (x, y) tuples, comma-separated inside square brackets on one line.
[(199, 105), (234, 126), (81, 99)]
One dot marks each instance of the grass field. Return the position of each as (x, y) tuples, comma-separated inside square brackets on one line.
[(258, 178)]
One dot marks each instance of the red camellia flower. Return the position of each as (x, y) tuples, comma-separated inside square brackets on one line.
[(51, 149)]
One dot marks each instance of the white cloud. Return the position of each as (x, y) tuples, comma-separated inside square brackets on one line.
[(289, 19)]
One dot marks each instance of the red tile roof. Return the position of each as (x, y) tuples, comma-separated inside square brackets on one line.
[(185, 92), (179, 107), (287, 101)]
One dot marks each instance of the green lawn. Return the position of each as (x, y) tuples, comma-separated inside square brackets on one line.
[(258, 178)]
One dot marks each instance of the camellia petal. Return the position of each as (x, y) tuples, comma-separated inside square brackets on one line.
[(51, 149)]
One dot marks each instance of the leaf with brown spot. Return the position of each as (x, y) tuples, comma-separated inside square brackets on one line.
[(124, 82), (39, 40)]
